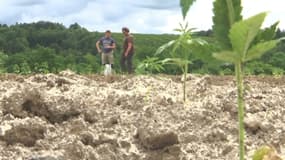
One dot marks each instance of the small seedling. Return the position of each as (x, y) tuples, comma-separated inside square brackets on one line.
[(182, 48), (266, 153)]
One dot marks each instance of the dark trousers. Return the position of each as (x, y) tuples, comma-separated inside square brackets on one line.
[(127, 63)]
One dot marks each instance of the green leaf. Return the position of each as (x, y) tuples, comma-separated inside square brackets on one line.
[(268, 33), (150, 65), (164, 47), (197, 41), (243, 33), (177, 61), (178, 30), (260, 153), (227, 56), (231, 11), (185, 6), (259, 49), (223, 18)]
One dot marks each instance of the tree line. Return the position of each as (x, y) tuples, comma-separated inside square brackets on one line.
[(46, 47)]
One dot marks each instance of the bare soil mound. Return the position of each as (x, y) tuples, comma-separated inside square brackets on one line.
[(73, 117)]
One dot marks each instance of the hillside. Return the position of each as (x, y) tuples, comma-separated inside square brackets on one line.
[(68, 116), (46, 47)]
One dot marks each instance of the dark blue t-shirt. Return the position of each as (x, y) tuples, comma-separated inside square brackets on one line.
[(105, 42)]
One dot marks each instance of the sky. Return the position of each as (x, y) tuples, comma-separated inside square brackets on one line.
[(141, 16)]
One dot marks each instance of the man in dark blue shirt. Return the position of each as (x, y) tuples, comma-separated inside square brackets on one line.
[(108, 45)]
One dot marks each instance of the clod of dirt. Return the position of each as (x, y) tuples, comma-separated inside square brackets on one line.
[(169, 153), (105, 139), (155, 139), (77, 150), (26, 134), (39, 78), (20, 104), (13, 105), (188, 77), (20, 79), (87, 138), (61, 81), (112, 121), (266, 126), (252, 124), (90, 116), (46, 157), (216, 135), (8, 117), (188, 138), (173, 150), (34, 103), (227, 150), (30, 102), (4, 128), (124, 144), (108, 151), (64, 89), (50, 84), (229, 107)]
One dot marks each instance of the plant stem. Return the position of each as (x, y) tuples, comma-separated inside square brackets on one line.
[(239, 79), (231, 12), (184, 82)]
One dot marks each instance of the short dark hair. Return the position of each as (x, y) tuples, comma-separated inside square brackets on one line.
[(125, 29), (108, 31)]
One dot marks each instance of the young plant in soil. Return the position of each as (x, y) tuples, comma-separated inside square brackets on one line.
[(149, 66), (183, 46), (244, 48), (266, 153)]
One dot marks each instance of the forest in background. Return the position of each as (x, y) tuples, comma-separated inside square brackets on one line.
[(46, 47)]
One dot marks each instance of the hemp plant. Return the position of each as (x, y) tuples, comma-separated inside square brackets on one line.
[(149, 66), (182, 47), (242, 37)]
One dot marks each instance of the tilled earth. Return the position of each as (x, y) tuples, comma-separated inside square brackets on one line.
[(73, 117)]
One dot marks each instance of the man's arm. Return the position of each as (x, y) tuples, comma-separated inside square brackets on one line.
[(98, 47), (113, 46), (130, 44)]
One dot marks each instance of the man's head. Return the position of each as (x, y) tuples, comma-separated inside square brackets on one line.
[(108, 33), (125, 30)]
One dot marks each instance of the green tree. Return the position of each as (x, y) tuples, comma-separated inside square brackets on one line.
[(3, 59), (36, 68), (93, 62), (84, 68), (63, 47), (25, 68), (277, 59), (44, 68), (71, 67), (16, 69)]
